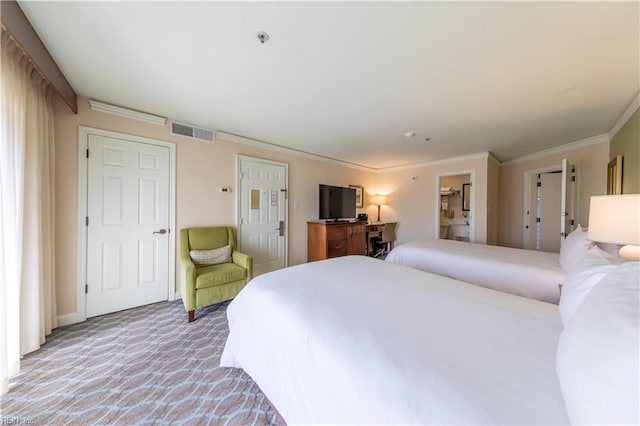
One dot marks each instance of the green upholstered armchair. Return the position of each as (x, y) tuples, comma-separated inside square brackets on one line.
[(206, 285)]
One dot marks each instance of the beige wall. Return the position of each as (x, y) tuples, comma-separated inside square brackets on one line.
[(627, 143), (412, 202), (591, 169), (201, 170)]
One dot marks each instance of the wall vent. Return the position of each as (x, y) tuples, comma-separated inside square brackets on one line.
[(189, 131)]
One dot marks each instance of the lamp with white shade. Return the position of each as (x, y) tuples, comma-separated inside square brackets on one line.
[(379, 200), (616, 219)]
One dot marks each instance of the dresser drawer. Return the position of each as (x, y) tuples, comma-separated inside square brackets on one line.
[(336, 233), (336, 248), (329, 239)]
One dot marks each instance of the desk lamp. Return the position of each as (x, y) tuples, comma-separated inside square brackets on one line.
[(379, 200), (616, 219)]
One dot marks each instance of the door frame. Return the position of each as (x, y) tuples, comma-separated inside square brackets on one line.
[(83, 143), (239, 159), (472, 201), (528, 175)]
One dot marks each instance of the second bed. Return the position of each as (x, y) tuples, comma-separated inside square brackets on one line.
[(527, 273)]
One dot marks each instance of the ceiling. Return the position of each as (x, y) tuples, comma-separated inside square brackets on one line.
[(347, 80)]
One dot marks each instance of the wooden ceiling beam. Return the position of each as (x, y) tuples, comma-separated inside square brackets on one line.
[(18, 26)]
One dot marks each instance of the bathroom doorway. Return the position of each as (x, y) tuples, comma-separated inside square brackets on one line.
[(455, 206)]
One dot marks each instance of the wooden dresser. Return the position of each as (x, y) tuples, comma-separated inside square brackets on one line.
[(325, 240)]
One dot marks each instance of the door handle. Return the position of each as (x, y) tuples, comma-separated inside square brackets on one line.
[(281, 229), (161, 232)]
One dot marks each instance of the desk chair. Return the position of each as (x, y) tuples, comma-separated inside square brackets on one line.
[(385, 244)]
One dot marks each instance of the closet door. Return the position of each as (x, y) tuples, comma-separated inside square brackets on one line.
[(550, 207)]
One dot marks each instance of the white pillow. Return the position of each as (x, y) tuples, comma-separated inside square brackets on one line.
[(211, 257), (574, 247), (612, 249), (582, 278), (598, 352)]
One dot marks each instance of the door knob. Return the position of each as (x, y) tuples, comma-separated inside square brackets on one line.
[(162, 232)]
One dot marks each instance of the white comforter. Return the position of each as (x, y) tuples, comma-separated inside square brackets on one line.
[(527, 273), (356, 340)]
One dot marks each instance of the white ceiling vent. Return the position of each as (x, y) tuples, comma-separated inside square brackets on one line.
[(189, 131)]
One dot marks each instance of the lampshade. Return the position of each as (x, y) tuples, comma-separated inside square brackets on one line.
[(379, 200), (615, 219)]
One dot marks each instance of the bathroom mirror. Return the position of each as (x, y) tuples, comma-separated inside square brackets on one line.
[(466, 197)]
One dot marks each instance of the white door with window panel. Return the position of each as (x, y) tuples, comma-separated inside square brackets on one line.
[(128, 209), (262, 213)]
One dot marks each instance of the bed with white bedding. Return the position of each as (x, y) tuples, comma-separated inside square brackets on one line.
[(529, 273), (355, 340)]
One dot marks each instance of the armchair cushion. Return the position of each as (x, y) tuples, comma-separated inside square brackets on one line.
[(209, 276), (211, 257)]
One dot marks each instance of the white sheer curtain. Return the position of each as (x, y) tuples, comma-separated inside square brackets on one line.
[(27, 276)]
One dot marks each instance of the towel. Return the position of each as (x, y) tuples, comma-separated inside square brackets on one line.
[(444, 203)]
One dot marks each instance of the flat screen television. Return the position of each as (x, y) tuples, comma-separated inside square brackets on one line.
[(337, 202)]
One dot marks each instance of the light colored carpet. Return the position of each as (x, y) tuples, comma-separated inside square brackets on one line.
[(141, 366)]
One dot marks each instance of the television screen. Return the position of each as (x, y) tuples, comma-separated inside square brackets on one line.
[(337, 202)]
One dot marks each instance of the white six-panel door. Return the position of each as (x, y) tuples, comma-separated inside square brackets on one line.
[(128, 207), (550, 223), (568, 199), (262, 207), (556, 194)]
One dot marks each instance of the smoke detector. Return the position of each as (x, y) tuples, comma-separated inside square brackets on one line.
[(263, 37)]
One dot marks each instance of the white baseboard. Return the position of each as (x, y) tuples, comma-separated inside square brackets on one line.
[(68, 319)]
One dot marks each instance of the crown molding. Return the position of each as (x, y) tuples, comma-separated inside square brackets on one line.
[(633, 106), (290, 151), (476, 156), (126, 112), (559, 149), (493, 158), (231, 137)]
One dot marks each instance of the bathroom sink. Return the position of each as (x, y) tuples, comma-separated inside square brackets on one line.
[(461, 232)]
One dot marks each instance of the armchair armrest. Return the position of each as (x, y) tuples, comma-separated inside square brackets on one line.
[(187, 274), (245, 261), (186, 264)]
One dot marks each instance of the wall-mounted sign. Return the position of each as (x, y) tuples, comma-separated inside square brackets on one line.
[(255, 199)]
